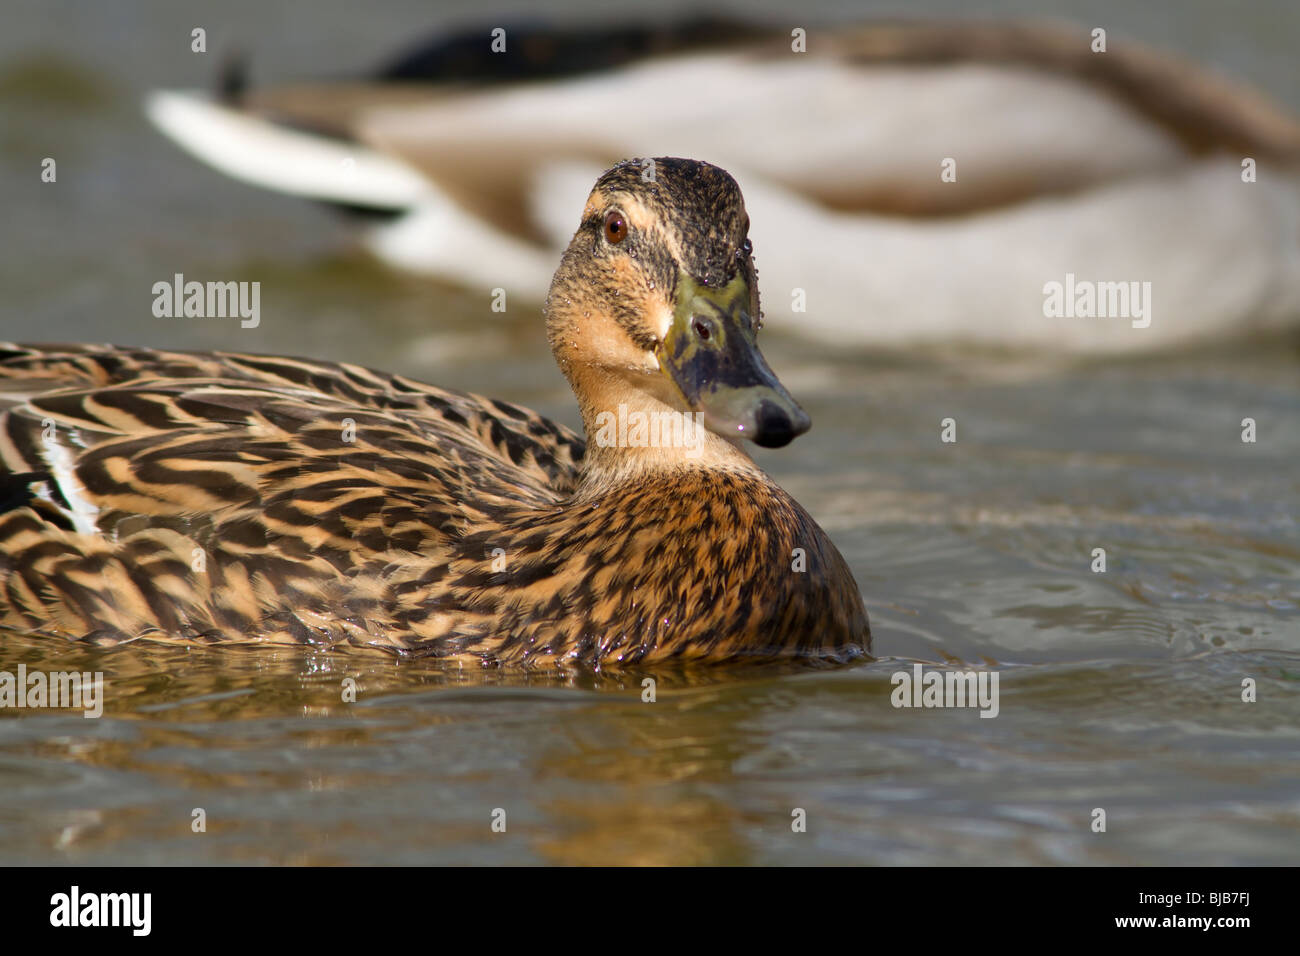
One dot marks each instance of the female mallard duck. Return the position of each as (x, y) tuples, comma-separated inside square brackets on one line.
[(222, 498), (970, 164)]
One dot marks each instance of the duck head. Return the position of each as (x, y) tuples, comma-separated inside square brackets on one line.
[(655, 304)]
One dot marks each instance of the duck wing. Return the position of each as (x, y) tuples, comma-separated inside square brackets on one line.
[(120, 469)]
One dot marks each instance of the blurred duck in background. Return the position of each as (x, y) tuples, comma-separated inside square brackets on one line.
[(929, 182)]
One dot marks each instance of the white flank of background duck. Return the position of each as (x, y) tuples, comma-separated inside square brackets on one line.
[(1072, 167)]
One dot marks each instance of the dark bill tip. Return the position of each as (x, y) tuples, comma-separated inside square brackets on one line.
[(775, 427)]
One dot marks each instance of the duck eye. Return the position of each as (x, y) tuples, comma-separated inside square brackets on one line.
[(702, 329), (615, 228)]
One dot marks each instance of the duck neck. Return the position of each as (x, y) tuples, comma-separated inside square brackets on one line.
[(635, 434)]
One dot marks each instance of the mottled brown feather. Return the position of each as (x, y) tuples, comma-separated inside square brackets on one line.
[(241, 499)]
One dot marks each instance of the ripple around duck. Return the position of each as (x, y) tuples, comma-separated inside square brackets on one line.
[(1158, 744)]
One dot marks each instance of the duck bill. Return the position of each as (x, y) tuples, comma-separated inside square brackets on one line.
[(711, 355)]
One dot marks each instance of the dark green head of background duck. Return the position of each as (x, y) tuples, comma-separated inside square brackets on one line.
[(657, 296)]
